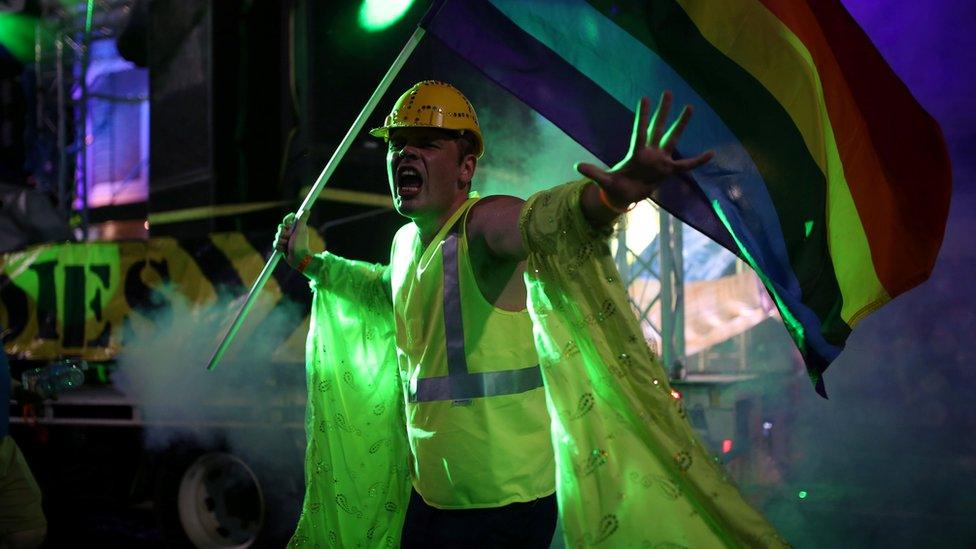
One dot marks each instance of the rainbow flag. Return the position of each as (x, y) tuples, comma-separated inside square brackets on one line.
[(829, 179)]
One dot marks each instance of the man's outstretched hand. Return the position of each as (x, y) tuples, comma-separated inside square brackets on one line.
[(649, 160)]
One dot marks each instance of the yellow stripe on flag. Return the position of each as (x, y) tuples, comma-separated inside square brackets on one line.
[(755, 39)]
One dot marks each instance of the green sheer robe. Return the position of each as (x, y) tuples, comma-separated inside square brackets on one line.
[(630, 472)]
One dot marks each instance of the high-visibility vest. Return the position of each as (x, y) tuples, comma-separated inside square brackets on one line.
[(476, 413)]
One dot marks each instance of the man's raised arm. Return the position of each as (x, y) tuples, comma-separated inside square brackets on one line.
[(648, 162)]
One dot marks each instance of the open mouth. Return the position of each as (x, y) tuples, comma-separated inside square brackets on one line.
[(408, 181)]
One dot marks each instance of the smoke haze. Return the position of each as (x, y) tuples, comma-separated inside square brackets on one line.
[(250, 405)]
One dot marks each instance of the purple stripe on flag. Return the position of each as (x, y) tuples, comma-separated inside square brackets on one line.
[(555, 89)]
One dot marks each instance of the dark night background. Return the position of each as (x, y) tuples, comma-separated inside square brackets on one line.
[(888, 461)]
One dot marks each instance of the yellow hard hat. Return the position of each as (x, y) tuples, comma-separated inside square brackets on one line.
[(433, 104)]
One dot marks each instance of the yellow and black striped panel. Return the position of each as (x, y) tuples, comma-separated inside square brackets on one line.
[(84, 299)]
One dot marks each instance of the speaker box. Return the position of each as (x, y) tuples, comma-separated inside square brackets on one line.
[(215, 79)]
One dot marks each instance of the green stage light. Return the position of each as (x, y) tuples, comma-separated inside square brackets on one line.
[(376, 15), (17, 35)]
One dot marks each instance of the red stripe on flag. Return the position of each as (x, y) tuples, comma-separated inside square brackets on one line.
[(878, 123)]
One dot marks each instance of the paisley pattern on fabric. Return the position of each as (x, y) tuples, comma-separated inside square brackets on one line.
[(357, 479), (630, 469)]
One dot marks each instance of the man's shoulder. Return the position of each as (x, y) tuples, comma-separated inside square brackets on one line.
[(487, 213), (497, 200), (494, 223)]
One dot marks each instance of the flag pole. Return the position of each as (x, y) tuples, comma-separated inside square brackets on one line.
[(313, 194)]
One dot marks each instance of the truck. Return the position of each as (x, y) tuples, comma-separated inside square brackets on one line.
[(152, 446), (155, 448)]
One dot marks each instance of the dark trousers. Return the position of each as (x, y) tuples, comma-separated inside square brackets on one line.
[(528, 525)]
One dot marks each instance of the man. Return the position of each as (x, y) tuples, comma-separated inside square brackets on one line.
[(481, 462)]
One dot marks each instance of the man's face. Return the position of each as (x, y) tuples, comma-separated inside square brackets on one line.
[(426, 176)]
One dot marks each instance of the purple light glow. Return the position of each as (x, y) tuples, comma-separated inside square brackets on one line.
[(932, 48), (115, 169)]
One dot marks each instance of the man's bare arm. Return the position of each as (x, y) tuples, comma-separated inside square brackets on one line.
[(648, 162), (496, 219)]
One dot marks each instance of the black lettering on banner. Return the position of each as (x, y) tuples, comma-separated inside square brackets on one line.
[(73, 325), (15, 302), (47, 300), (138, 295), (102, 273)]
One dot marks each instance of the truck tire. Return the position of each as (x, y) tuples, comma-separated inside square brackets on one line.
[(208, 500)]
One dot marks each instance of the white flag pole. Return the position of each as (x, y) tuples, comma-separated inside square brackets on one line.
[(317, 188)]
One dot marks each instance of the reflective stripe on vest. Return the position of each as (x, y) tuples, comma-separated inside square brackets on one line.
[(459, 384)]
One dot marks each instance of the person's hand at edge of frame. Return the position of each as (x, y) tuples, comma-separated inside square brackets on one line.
[(292, 240)]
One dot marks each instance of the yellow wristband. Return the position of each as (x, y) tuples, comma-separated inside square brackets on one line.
[(605, 200)]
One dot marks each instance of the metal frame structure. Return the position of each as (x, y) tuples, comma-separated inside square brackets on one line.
[(670, 274), (61, 68)]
